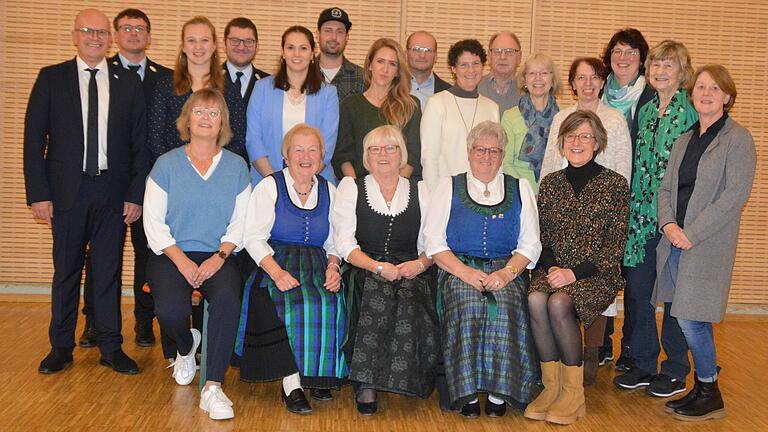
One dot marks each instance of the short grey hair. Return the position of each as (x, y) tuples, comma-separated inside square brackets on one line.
[(487, 129)]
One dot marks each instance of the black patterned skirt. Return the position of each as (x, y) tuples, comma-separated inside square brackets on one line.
[(486, 337), (301, 329), (393, 340)]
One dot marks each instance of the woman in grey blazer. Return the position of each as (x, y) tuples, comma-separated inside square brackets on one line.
[(707, 182)]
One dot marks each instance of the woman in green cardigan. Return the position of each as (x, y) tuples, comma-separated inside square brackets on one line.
[(527, 125)]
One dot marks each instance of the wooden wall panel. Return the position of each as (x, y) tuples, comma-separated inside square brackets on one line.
[(36, 33)]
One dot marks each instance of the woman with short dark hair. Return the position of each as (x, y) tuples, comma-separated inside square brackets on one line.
[(450, 115)]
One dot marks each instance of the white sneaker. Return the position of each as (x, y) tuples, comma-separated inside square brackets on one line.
[(216, 403), (184, 367)]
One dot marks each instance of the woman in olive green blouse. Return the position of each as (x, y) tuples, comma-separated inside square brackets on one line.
[(387, 100)]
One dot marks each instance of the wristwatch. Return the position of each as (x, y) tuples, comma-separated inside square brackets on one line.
[(379, 269), (221, 254)]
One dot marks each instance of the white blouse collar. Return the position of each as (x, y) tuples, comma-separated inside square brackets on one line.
[(294, 196), (476, 189), (375, 199)]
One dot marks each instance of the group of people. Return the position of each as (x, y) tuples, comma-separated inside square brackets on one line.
[(380, 227)]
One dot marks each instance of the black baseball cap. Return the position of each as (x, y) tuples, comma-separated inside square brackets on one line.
[(334, 14)]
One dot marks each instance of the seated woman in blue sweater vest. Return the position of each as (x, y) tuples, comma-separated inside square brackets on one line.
[(483, 231), (194, 212)]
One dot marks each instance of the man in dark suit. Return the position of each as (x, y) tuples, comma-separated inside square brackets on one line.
[(242, 42), (84, 170), (422, 52), (133, 35)]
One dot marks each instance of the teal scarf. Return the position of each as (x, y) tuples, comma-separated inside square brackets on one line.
[(654, 141), (624, 98)]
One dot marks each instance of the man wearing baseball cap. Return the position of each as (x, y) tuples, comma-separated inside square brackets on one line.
[(333, 27)]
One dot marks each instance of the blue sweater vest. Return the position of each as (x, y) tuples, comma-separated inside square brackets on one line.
[(296, 225), (483, 231), (199, 211)]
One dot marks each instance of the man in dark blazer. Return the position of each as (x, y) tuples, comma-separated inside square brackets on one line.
[(133, 35), (421, 50), (241, 39), (84, 170)]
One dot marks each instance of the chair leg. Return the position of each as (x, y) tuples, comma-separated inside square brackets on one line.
[(204, 346)]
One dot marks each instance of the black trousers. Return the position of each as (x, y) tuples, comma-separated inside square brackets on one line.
[(144, 307), (90, 220), (173, 307)]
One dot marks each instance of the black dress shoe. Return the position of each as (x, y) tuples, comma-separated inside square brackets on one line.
[(494, 410), (706, 404), (471, 410), (88, 338), (56, 361), (296, 402), (145, 337), (120, 362), (321, 394), (367, 408)]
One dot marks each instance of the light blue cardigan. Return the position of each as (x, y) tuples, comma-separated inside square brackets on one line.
[(264, 133)]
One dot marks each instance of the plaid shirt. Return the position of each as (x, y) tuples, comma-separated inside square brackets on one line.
[(349, 80)]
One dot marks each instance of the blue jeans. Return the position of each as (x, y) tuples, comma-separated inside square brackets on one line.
[(645, 337), (701, 342)]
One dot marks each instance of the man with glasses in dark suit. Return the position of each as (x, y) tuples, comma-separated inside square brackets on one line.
[(85, 164)]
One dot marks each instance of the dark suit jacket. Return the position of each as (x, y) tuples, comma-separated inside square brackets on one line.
[(257, 75), (53, 137), (153, 73), (440, 85)]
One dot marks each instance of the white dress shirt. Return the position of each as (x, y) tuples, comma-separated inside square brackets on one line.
[(528, 242), (345, 209), (159, 233), (102, 84), (260, 217)]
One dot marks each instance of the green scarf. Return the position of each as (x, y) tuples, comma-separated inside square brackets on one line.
[(654, 141), (624, 98)]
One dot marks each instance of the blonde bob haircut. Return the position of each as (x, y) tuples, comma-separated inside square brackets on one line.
[(302, 129), (205, 97), (487, 129), (548, 63), (576, 119), (678, 53), (383, 135)]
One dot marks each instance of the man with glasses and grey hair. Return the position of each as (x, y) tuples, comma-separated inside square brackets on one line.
[(85, 164), (241, 38), (500, 85), (422, 52)]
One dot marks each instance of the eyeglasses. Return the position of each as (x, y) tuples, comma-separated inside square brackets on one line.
[(98, 33), (543, 74), (388, 149), (494, 152), (212, 112), (583, 78), (127, 28), (618, 52), (467, 66), (587, 138), (501, 51), (248, 43), (420, 49)]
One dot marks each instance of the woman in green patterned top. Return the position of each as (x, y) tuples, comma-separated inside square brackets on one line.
[(660, 122)]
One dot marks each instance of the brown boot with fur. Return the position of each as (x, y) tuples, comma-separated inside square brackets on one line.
[(550, 377), (570, 405)]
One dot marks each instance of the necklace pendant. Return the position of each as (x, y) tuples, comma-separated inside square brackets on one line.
[(486, 193)]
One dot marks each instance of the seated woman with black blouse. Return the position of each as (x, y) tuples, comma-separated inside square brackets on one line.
[(583, 212)]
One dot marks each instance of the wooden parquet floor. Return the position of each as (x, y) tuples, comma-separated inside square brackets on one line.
[(90, 397)]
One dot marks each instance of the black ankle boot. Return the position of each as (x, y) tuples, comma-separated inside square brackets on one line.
[(672, 405), (88, 338), (706, 404)]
